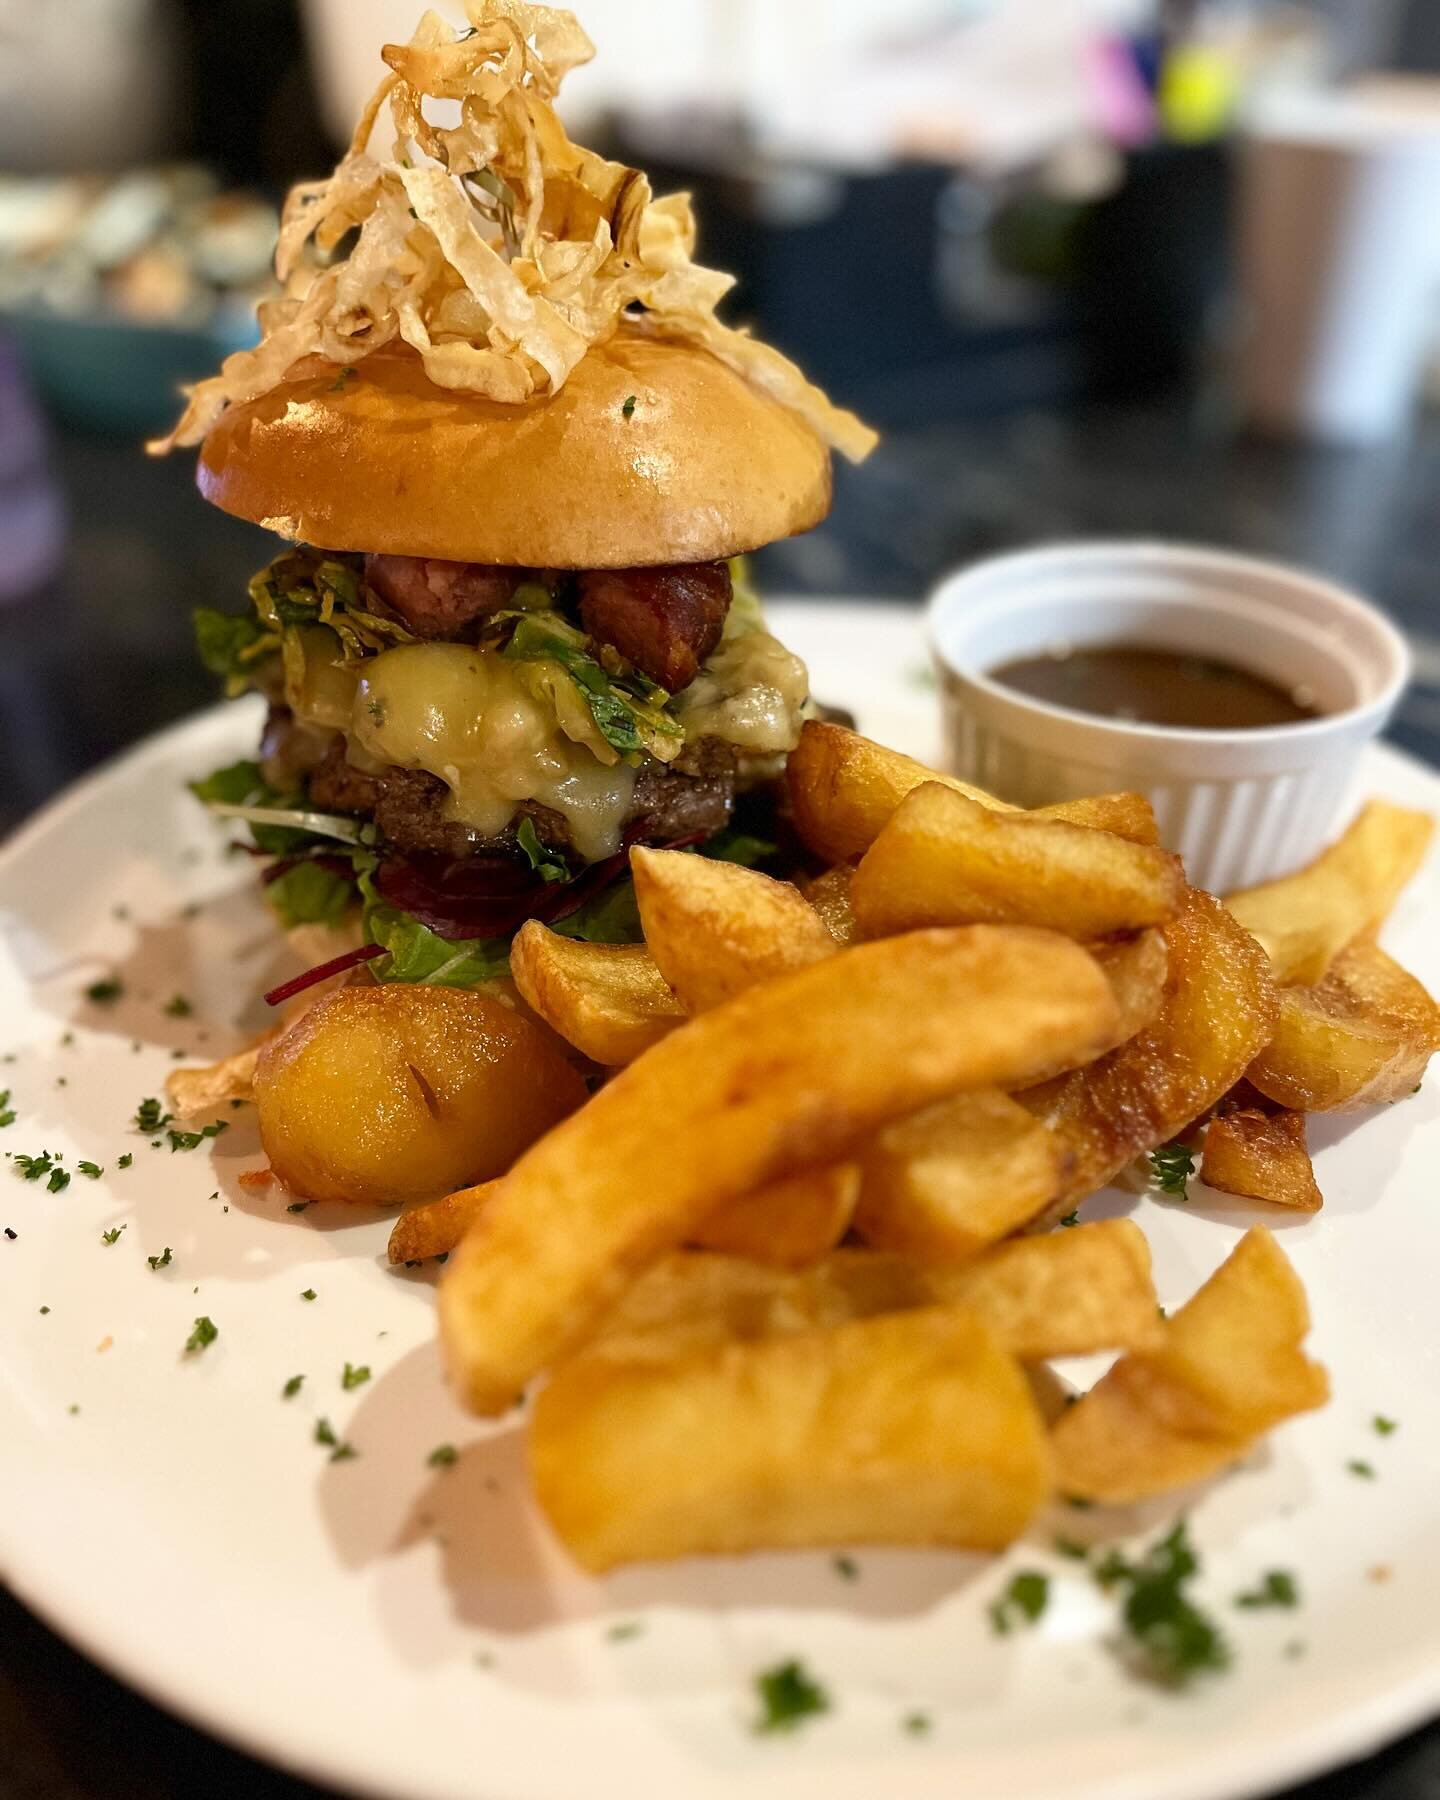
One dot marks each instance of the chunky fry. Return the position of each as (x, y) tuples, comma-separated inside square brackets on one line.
[(1259, 1152), (608, 1000), (943, 1183), (1064, 1294), (843, 788), (1230, 1367), (1363, 1037), (1305, 920), (739, 1097), (435, 1227), (1219, 1012), (1137, 969), (829, 894), (715, 928), (790, 1223), (943, 859), (916, 1429)]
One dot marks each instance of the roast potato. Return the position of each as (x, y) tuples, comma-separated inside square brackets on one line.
[(391, 1093)]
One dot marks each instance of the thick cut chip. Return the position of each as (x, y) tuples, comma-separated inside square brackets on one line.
[(1362, 1037), (844, 787), (943, 859), (396, 1093), (608, 1000), (916, 1429), (1137, 968), (1067, 1293), (829, 894), (790, 1223), (1305, 920), (947, 1181), (716, 928), (1258, 1151), (1230, 1367), (1219, 1012), (435, 1227), (793, 1073)]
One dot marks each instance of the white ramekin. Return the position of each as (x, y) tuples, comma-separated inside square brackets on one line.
[(1239, 806)]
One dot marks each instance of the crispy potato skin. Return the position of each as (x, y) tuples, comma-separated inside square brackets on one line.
[(1259, 1152), (910, 1429), (393, 1093), (1219, 1012), (738, 1098), (1305, 920), (1230, 1366), (1363, 1037)]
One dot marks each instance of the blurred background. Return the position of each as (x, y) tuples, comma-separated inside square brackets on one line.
[(1155, 267)]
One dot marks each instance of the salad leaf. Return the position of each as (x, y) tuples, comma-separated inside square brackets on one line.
[(548, 864), (731, 845), (629, 710), (310, 893), (303, 587), (238, 784), (612, 917), (231, 644), (417, 954)]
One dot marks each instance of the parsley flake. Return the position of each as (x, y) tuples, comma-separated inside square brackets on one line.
[(1071, 1218), (162, 1261), (1170, 1639), (308, 1294), (205, 1332), (125, 1161), (91, 1170), (916, 1724), (1073, 1548), (44, 1310), (343, 1453), (1171, 1167), (845, 1567), (297, 1206), (106, 992), (148, 1116), (788, 1696), (1022, 1602), (442, 1456), (354, 1375), (192, 1140), (1278, 1587), (59, 1180), (1358, 1466), (32, 1168), (628, 409), (178, 1007), (292, 1387), (7, 1117), (1382, 1426), (325, 1433), (624, 1631), (112, 1236), (347, 374)]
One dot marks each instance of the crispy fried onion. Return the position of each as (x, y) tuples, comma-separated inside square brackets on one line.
[(495, 247)]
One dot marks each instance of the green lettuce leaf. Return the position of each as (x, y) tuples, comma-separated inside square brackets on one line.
[(629, 710), (548, 864), (231, 644), (310, 894), (417, 954)]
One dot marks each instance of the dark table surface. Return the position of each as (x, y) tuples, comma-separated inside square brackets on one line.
[(99, 655)]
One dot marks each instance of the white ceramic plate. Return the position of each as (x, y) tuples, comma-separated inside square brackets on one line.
[(407, 1631)]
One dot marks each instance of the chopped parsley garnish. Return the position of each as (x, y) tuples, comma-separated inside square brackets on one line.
[(1170, 1639), (343, 1453), (106, 992), (325, 1433), (44, 1309), (1022, 1602), (7, 1114), (624, 1631), (148, 1116), (354, 1375), (1358, 1466), (91, 1170), (442, 1456), (292, 1387), (125, 1161), (1073, 1548), (628, 409), (346, 375), (192, 1140), (308, 1294), (162, 1261), (59, 1179), (112, 1236), (297, 1206), (1277, 1587), (32, 1168), (1381, 1426), (788, 1696), (916, 1724), (1071, 1218), (1171, 1166), (205, 1332), (845, 1567), (178, 1007)]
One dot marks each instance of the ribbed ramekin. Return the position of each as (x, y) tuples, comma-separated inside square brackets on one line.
[(1239, 806)]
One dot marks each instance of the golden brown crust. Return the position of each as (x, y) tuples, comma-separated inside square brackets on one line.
[(704, 465)]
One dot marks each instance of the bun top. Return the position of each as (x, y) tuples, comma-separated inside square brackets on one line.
[(652, 452)]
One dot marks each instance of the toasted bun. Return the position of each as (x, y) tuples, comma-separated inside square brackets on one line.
[(380, 459)]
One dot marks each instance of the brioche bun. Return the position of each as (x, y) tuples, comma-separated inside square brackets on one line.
[(378, 458)]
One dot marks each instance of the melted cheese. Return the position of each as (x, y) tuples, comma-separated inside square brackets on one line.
[(466, 716), (752, 693)]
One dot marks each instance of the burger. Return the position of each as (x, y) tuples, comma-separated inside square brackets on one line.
[(517, 463)]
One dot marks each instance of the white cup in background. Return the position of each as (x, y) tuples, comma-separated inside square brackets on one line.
[(1240, 806), (1339, 259)]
